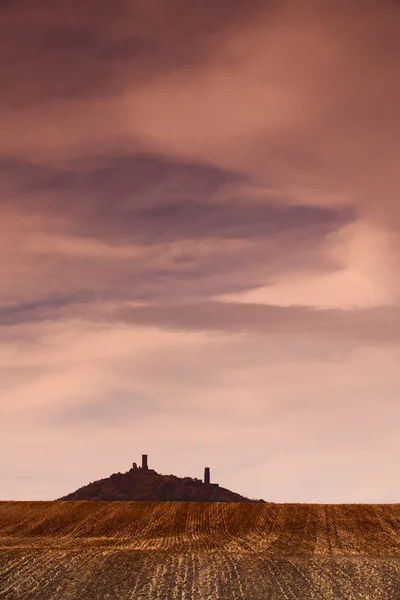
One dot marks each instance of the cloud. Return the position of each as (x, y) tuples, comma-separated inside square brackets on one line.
[(363, 277), (116, 409), (176, 228), (155, 198), (305, 100), (369, 325), (42, 309), (75, 51), (67, 69), (113, 193), (281, 404)]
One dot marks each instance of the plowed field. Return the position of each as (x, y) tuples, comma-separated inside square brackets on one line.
[(137, 550)]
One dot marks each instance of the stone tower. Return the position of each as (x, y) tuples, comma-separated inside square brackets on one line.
[(144, 462), (207, 475)]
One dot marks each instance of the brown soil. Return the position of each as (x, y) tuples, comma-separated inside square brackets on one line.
[(67, 550)]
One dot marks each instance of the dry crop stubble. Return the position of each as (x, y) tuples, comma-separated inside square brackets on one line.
[(67, 550)]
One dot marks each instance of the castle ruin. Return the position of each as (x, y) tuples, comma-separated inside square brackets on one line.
[(207, 475), (145, 469)]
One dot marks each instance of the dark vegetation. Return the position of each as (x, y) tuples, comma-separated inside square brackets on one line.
[(150, 486)]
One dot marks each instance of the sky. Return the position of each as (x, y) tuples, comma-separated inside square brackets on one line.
[(200, 245)]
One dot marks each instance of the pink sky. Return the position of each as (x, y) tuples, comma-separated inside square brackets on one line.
[(199, 225)]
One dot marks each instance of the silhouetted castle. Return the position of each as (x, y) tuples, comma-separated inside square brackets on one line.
[(141, 484), (207, 475), (207, 478), (144, 469)]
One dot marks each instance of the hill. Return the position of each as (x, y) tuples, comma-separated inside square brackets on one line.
[(148, 485), (66, 550)]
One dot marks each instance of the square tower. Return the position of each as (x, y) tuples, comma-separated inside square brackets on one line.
[(207, 475)]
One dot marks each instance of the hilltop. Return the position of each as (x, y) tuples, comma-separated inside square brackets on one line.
[(144, 484)]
